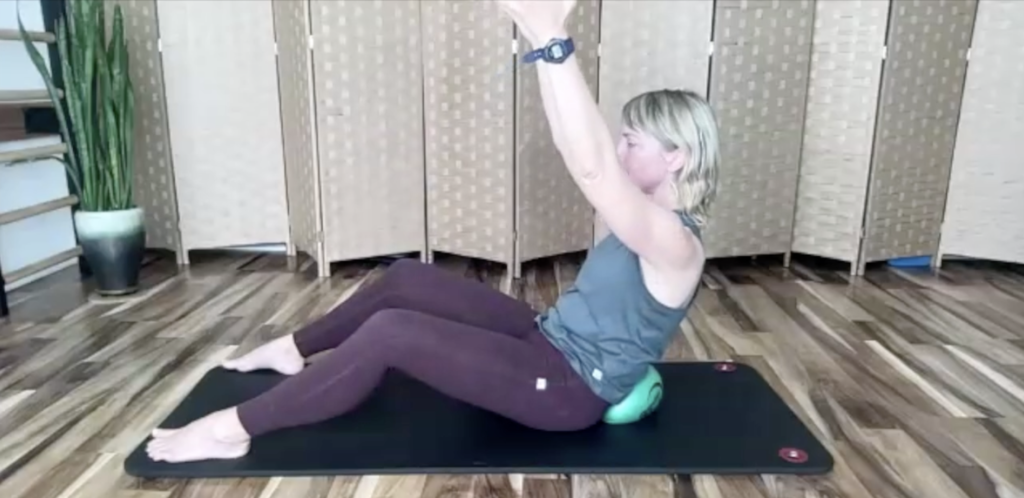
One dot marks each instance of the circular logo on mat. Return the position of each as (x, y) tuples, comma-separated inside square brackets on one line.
[(793, 455)]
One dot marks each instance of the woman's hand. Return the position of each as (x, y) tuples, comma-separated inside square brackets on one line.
[(539, 20)]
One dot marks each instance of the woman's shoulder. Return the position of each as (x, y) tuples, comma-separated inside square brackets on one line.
[(674, 285)]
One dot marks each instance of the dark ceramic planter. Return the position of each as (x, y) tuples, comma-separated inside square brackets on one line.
[(112, 244)]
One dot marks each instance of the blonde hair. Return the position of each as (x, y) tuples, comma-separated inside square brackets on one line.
[(682, 119)]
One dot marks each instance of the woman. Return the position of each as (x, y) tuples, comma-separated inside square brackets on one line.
[(558, 370)]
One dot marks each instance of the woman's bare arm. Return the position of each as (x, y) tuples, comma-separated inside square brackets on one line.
[(585, 143)]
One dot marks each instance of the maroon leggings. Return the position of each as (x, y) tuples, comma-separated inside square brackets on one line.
[(456, 335)]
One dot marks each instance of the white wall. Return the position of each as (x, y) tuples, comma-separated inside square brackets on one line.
[(18, 72), (28, 241)]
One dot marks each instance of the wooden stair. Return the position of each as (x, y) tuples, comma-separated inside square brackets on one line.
[(31, 98)]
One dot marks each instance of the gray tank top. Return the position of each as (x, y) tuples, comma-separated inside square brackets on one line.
[(607, 324)]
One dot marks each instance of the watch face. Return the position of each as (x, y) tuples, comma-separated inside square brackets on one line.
[(556, 52)]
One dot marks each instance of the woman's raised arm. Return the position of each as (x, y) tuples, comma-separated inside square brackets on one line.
[(585, 143)]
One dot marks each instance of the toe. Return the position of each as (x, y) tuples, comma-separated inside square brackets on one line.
[(238, 366), (161, 452), (160, 444), (160, 433)]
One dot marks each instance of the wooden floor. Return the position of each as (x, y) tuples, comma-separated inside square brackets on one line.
[(914, 381)]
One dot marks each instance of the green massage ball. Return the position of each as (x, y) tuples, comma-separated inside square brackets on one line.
[(641, 401)]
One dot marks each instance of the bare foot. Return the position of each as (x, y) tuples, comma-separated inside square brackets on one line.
[(281, 355), (219, 435)]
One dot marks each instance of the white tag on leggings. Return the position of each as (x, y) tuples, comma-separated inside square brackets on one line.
[(542, 383)]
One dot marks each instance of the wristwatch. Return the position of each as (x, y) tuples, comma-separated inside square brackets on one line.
[(556, 51)]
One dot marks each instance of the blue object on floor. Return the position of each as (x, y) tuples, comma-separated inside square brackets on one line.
[(911, 262)]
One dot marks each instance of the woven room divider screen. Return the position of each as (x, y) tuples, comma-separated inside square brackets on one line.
[(846, 70), (225, 127), (885, 92), (397, 140), (759, 77), (469, 81), (247, 147), (986, 189), (369, 114), (922, 86), (357, 129), (302, 170)]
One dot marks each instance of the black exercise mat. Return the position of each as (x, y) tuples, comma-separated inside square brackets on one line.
[(715, 418)]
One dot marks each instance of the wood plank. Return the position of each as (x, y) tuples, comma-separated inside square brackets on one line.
[(41, 208), (397, 486), (26, 98), (32, 153), (36, 36), (599, 486), (914, 468), (43, 264), (443, 485)]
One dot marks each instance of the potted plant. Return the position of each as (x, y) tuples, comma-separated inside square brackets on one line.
[(97, 124)]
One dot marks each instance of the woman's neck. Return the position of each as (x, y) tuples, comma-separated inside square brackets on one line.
[(665, 195)]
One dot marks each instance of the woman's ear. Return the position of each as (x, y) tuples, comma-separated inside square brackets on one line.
[(675, 159)]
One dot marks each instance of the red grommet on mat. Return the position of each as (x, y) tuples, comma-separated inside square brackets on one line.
[(793, 455), (725, 367)]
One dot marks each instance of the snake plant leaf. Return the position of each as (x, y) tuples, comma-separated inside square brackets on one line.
[(37, 60), (117, 54), (96, 116), (128, 135)]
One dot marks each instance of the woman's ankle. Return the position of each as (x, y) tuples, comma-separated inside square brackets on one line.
[(231, 429), (295, 344)]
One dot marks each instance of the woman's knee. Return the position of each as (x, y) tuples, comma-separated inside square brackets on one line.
[(403, 272), (389, 325), (404, 268), (389, 318), (407, 283), (392, 334)]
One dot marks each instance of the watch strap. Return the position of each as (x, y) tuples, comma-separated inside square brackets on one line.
[(557, 50)]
